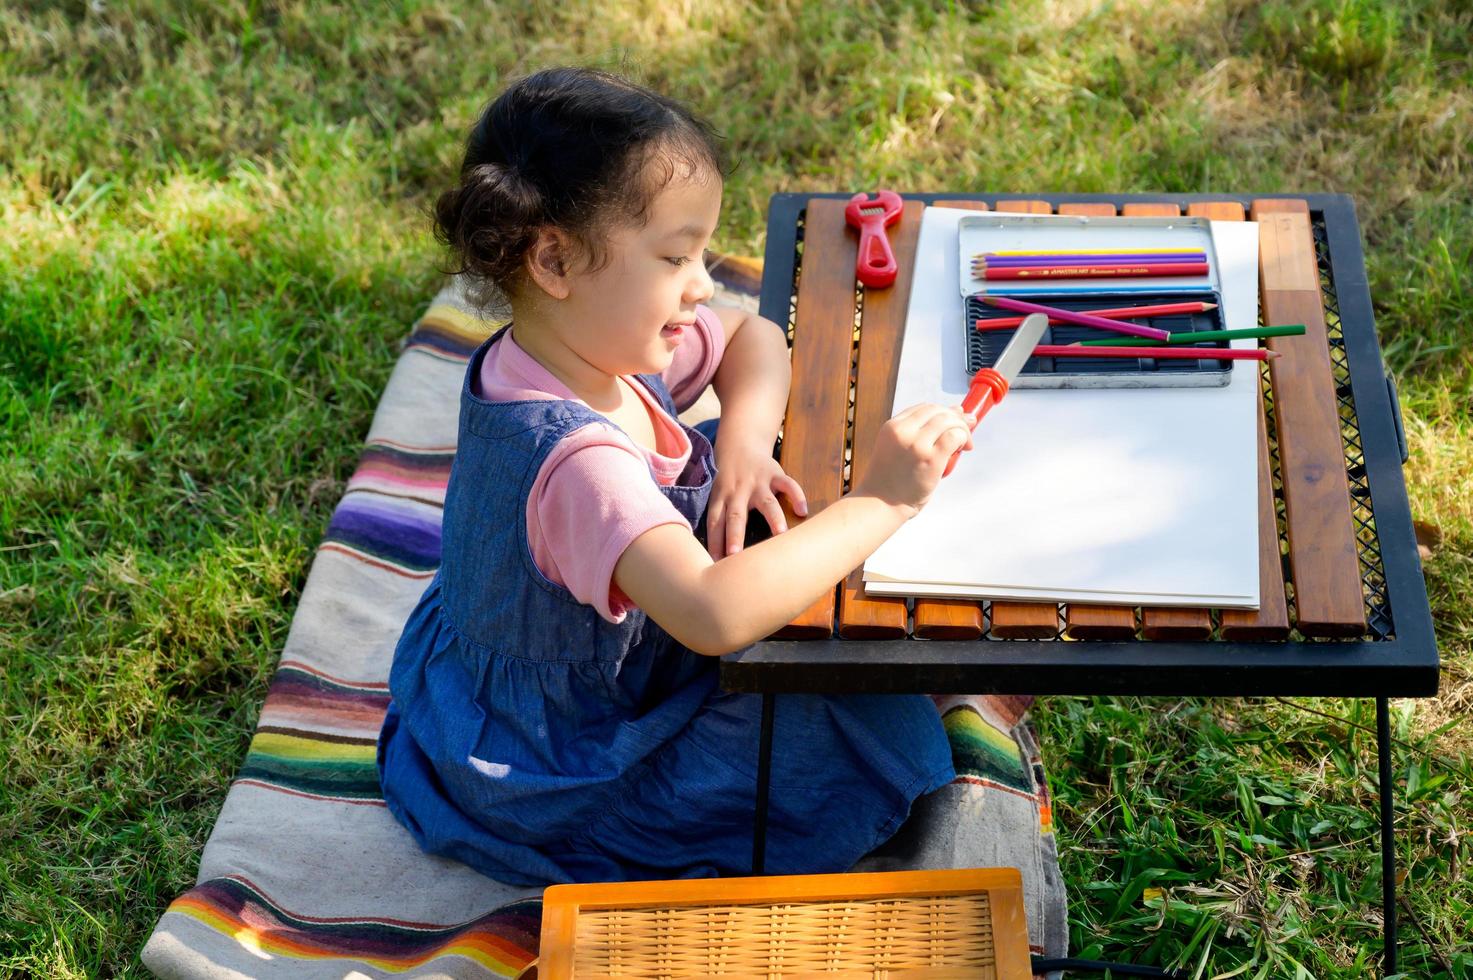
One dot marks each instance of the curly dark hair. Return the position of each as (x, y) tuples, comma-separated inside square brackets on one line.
[(579, 149)]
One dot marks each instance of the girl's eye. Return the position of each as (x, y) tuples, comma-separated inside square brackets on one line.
[(677, 261)]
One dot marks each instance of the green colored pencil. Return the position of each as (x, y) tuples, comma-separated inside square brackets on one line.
[(1187, 337)]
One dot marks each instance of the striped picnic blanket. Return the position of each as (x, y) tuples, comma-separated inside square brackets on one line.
[(306, 874)]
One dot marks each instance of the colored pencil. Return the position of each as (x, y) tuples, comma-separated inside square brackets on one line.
[(1116, 313), (1091, 290), (1083, 263), (1069, 316), (1177, 353), (1188, 337), (1088, 251), (1092, 271), (983, 264), (1077, 258)]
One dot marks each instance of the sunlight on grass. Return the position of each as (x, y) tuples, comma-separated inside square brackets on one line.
[(187, 205)]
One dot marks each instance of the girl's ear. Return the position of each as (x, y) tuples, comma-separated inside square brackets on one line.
[(547, 262)]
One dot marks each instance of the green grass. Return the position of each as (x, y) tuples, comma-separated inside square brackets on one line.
[(212, 239)]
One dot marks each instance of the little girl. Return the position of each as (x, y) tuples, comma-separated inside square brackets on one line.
[(555, 714)]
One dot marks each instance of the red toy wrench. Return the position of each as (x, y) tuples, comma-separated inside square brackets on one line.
[(990, 384), (876, 264)]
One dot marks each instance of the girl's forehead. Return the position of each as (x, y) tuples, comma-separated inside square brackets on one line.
[(686, 207)]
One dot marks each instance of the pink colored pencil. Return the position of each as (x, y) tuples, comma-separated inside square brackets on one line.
[(1069, 316), (1118, 313), (1144, 253), (1090, 271), (1179, 353)]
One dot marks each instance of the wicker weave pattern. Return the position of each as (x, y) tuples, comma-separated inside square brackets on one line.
[(930, 936)]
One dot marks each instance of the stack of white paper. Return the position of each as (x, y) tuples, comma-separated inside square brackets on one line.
[(1121, 496)]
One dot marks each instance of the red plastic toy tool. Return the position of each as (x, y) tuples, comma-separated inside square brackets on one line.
[(876, 264), (988, 388), (990, 384)]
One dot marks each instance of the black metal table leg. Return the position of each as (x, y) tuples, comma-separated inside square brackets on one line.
[(764, 775), (1388, 827)]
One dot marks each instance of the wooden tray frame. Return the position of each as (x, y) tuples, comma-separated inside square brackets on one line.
[(563, 904)]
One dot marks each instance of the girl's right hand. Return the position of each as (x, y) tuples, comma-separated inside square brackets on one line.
[(911, 452)]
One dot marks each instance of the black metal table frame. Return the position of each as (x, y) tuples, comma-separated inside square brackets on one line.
[(1403, 663)]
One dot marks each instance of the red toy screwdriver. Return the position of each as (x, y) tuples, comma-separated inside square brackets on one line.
[(991, 384), (875, 266)]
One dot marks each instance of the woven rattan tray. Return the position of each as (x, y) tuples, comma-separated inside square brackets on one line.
[(908, 924)]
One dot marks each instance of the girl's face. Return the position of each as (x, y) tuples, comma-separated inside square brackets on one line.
[(631, 315)]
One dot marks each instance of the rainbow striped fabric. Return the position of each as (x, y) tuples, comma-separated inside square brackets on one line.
[(306, 874)]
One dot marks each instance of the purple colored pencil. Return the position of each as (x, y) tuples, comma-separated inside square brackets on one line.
[(1083, 259), (1069, 316)]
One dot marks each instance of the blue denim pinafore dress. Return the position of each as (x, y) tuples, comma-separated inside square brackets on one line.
[(539, 743)]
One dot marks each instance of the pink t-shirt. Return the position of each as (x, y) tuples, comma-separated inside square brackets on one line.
[(598, 485)]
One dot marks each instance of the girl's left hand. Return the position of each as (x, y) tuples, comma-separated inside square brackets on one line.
[(748, 480)]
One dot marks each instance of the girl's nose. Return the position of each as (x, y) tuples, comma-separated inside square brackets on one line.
[(700, 287)]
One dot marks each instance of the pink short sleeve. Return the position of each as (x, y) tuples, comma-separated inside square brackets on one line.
[(696, 360), (592, 497)]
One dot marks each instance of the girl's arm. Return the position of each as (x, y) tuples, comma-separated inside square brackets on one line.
[(717, 607), (752, 383)]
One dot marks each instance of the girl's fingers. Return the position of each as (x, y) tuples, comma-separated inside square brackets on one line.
[(768, 507), (951, 440), (786, 485), (912, 411), (937, 425), (909, 420), (716, 530), (736, 529)]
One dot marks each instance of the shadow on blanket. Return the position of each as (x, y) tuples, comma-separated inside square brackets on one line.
[(306, 874)]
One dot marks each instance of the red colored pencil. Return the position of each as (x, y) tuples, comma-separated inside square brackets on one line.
[(1091, 271), (1179, 353), (1117, 313)]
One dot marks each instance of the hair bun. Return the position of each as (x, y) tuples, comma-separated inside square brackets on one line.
[(489, 221)]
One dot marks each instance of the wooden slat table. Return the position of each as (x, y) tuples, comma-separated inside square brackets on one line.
[(1344, 609)]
